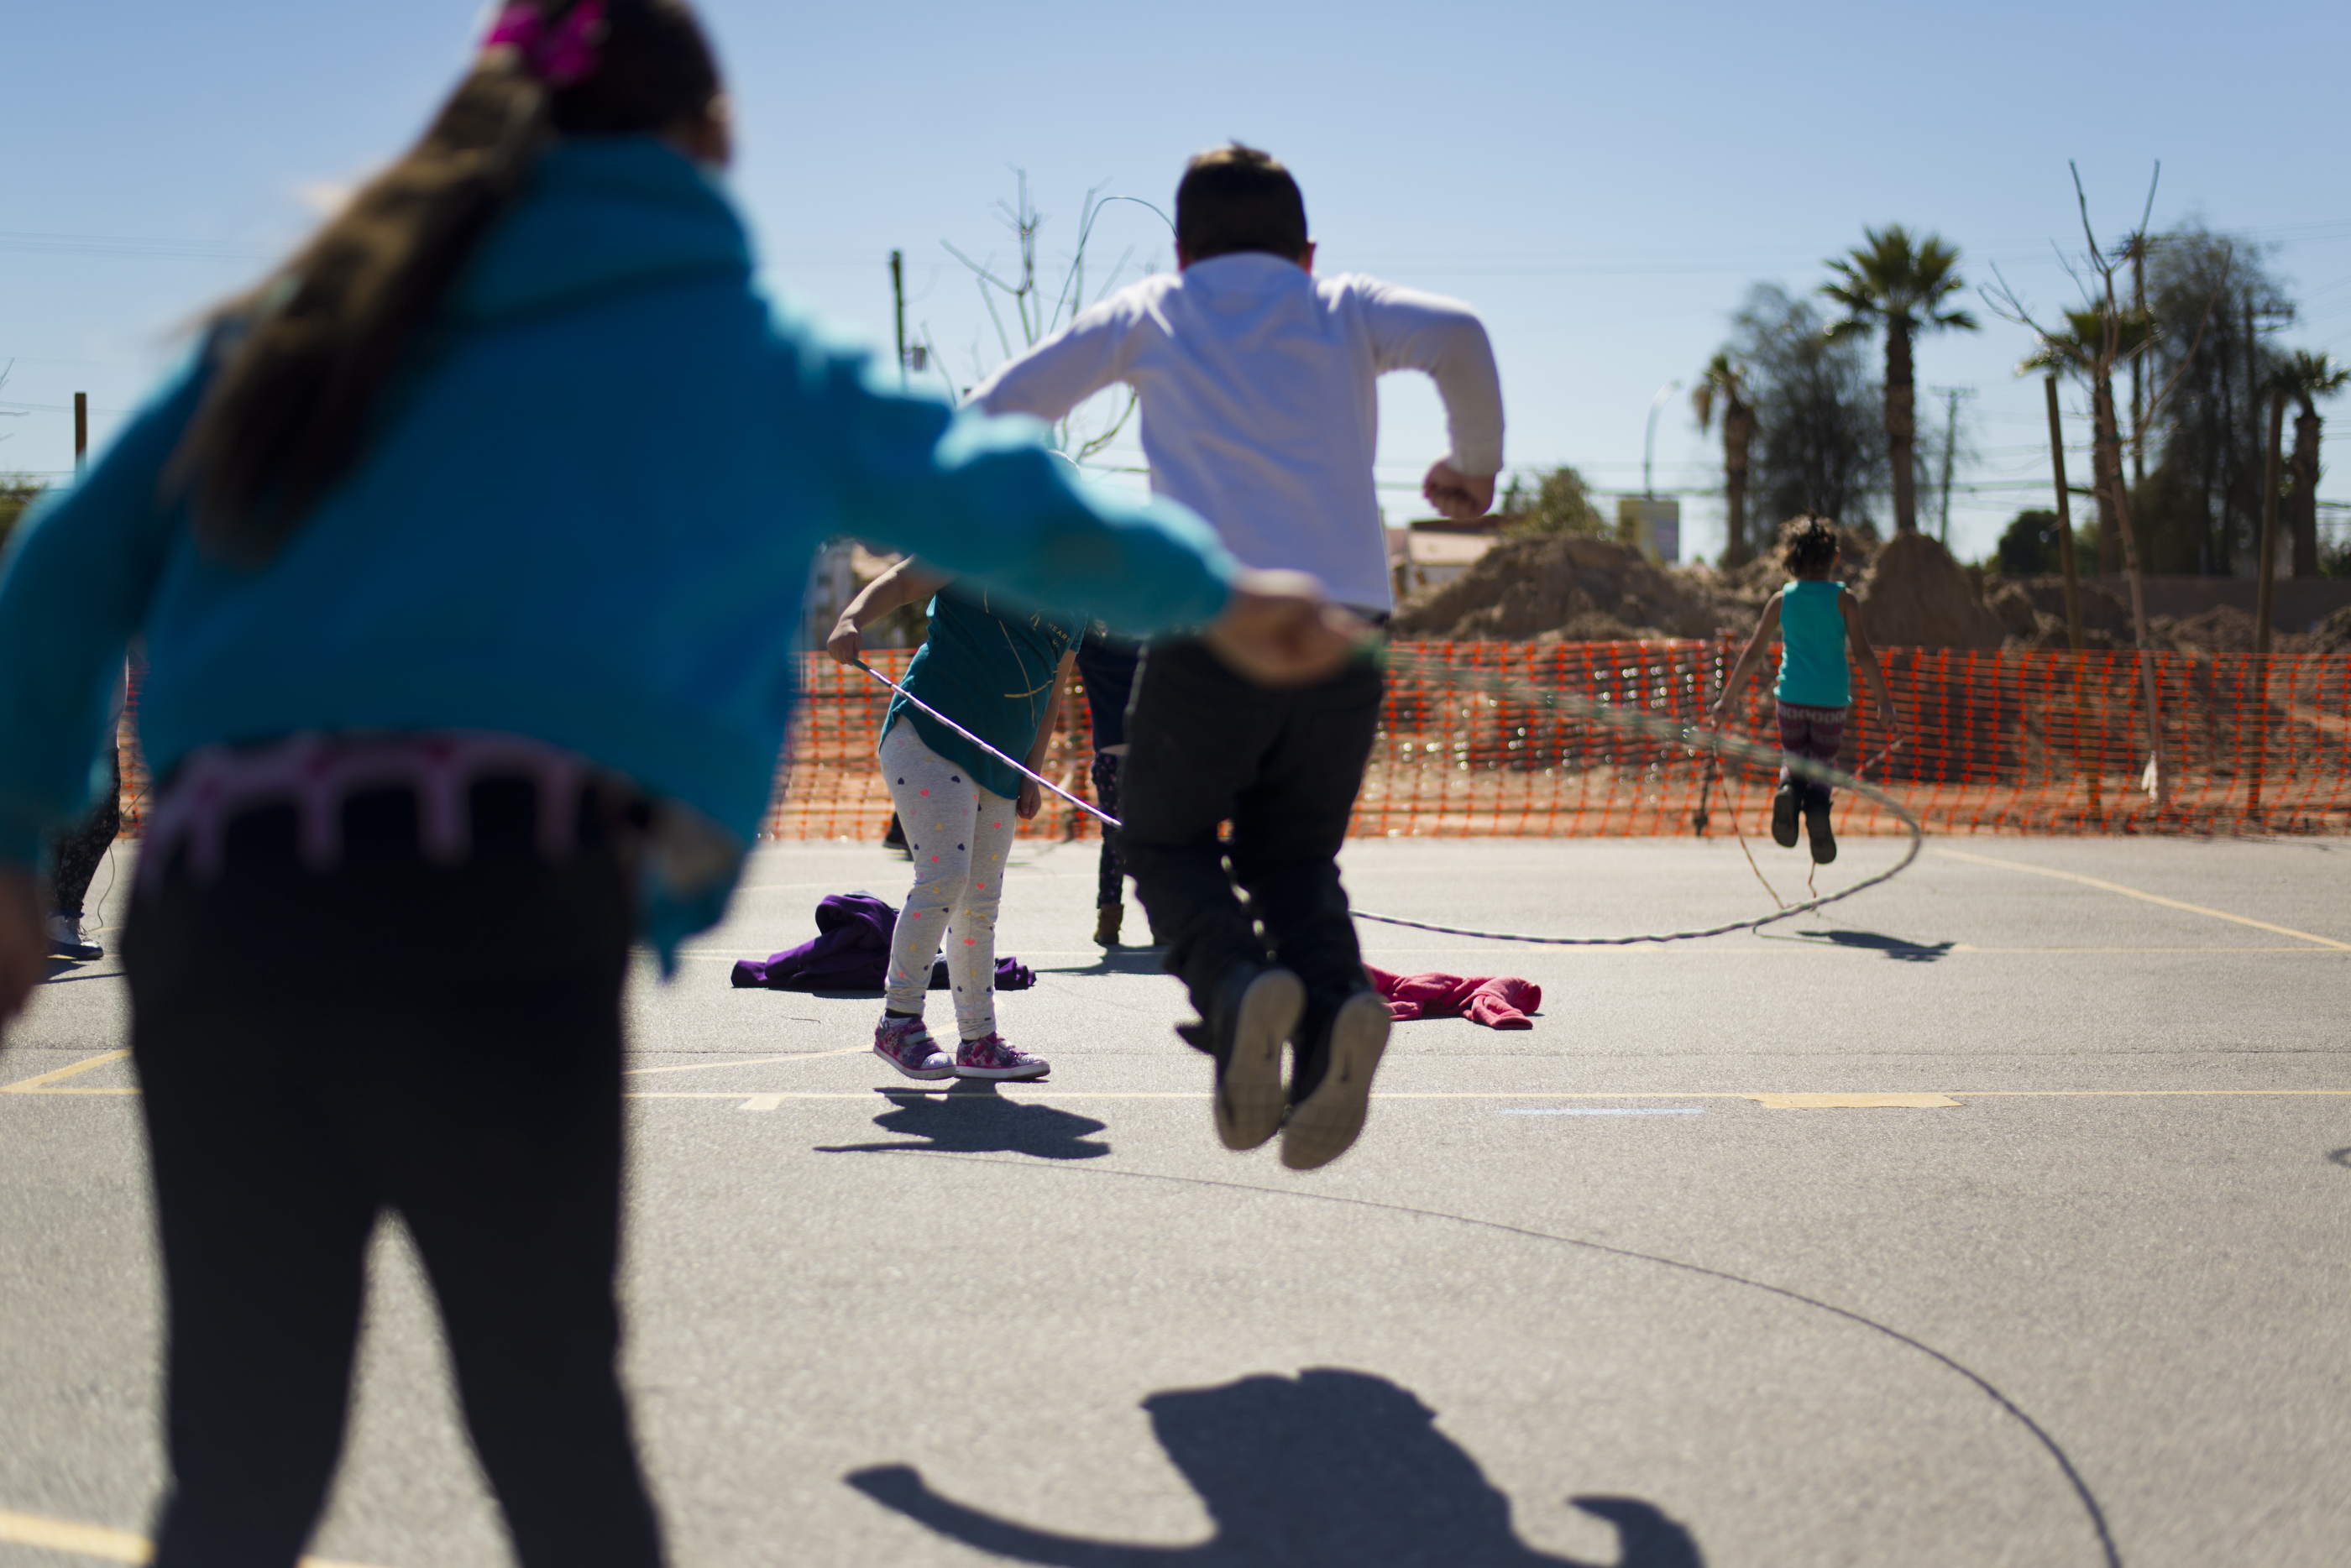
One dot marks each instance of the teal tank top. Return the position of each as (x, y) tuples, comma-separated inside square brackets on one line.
[(1813, 669), (989, 668)]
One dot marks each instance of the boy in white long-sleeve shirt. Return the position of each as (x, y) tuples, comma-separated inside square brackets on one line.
[(1259, 411)]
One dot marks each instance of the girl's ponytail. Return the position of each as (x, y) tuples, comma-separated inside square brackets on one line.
[(310, 352)]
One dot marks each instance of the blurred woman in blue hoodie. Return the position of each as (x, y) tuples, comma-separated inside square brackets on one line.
[(455, 690)]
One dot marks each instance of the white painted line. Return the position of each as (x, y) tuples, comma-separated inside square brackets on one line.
[(761, 1103), (746, 1062), (1610, 1111)]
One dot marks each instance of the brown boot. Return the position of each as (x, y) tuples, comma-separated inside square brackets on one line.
[(1106, 923)]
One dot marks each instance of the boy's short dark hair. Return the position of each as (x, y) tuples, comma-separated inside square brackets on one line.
[(1807, 543), (1236, 198)]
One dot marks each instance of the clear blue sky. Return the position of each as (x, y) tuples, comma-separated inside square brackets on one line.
[(1603, 183)]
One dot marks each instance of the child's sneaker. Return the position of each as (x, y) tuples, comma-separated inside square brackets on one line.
[(906, 1045), (1256, 1014), (1332, 1086), (66, 941), (989, 1057), (1783, 816), (1816, 823)]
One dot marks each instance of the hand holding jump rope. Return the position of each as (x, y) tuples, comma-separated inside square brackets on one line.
[(1413, 665)]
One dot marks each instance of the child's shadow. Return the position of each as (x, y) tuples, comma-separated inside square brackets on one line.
[(973, 1118), (1335, 1470)]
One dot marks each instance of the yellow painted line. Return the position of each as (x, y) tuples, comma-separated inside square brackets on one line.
[(40, 1086), (747, 1062), (96, 1541), (2150, 898)]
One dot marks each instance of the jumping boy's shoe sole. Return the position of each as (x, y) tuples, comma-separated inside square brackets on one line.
[(1325, 1125), (1823, 836), (1249, 1097)]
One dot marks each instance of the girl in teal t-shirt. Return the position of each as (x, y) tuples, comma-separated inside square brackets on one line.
[(997, 672), (1814, 618)]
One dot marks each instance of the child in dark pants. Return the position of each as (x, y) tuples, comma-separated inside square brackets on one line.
[(1817, 620), (1258, 385), (1108, 664)]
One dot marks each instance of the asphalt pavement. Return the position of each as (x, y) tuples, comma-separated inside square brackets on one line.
[(1994, 1216)]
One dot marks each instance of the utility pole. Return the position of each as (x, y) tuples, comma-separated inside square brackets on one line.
[(1950, 448), (898, 297), (1950, 438), (81, 433), (2270, 474)]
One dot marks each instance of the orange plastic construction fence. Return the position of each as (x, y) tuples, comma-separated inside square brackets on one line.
[(2029, 741), (2026, 741)]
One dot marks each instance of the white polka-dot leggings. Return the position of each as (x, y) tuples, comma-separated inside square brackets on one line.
[(959, 835)]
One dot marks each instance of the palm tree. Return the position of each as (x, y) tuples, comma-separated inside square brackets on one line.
[(2308, 376), (2080, 350), (1898, 285), (1722, 380)]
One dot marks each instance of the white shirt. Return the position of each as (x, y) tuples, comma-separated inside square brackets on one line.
[(1259, 409)]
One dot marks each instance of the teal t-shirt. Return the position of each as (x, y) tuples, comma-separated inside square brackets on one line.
[(1813, 669), (991, 672)]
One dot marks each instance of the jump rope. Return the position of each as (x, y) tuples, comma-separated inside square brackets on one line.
[(1638, 720)]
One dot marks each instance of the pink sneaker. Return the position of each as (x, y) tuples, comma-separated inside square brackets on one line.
[(989, 1057), (906, 1045)]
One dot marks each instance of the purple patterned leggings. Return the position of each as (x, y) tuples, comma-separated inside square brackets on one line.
[(1814, 733)]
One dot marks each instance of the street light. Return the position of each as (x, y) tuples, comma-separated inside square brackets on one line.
[(1649, 444)]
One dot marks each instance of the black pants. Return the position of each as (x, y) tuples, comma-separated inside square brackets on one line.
[(318, 1049), (76, 855), (1110, 872), (1206, 746)]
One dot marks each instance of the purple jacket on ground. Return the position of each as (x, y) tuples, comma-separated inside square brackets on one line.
[(852, 953)]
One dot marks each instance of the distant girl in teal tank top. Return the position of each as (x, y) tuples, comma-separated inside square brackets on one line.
[(1814, 618)]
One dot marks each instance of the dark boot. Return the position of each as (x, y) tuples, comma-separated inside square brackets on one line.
[(1107, 919), (1783, 816), (1816, 823)]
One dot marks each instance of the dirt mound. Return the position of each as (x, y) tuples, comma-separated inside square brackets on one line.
[(2106, 623), (2332, 635), (1916, 595), (1577, 588)]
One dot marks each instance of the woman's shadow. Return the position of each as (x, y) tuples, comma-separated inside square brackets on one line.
[(1332, 1470), (973, 1118)]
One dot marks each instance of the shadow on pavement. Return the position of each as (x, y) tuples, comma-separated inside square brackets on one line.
[(972, 1118), (1895, 947), (1333, 1470), (1118, 960), (2341, 1157)]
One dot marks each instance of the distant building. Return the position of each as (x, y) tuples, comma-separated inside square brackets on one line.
[(1651, 525), (1432, 551)]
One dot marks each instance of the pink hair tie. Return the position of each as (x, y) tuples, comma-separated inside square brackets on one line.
[(558, 55)]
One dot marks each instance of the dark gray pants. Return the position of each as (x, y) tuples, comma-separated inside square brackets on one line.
[(1206, 746)]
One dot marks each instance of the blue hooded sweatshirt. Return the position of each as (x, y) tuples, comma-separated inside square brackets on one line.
[(586, 517)]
